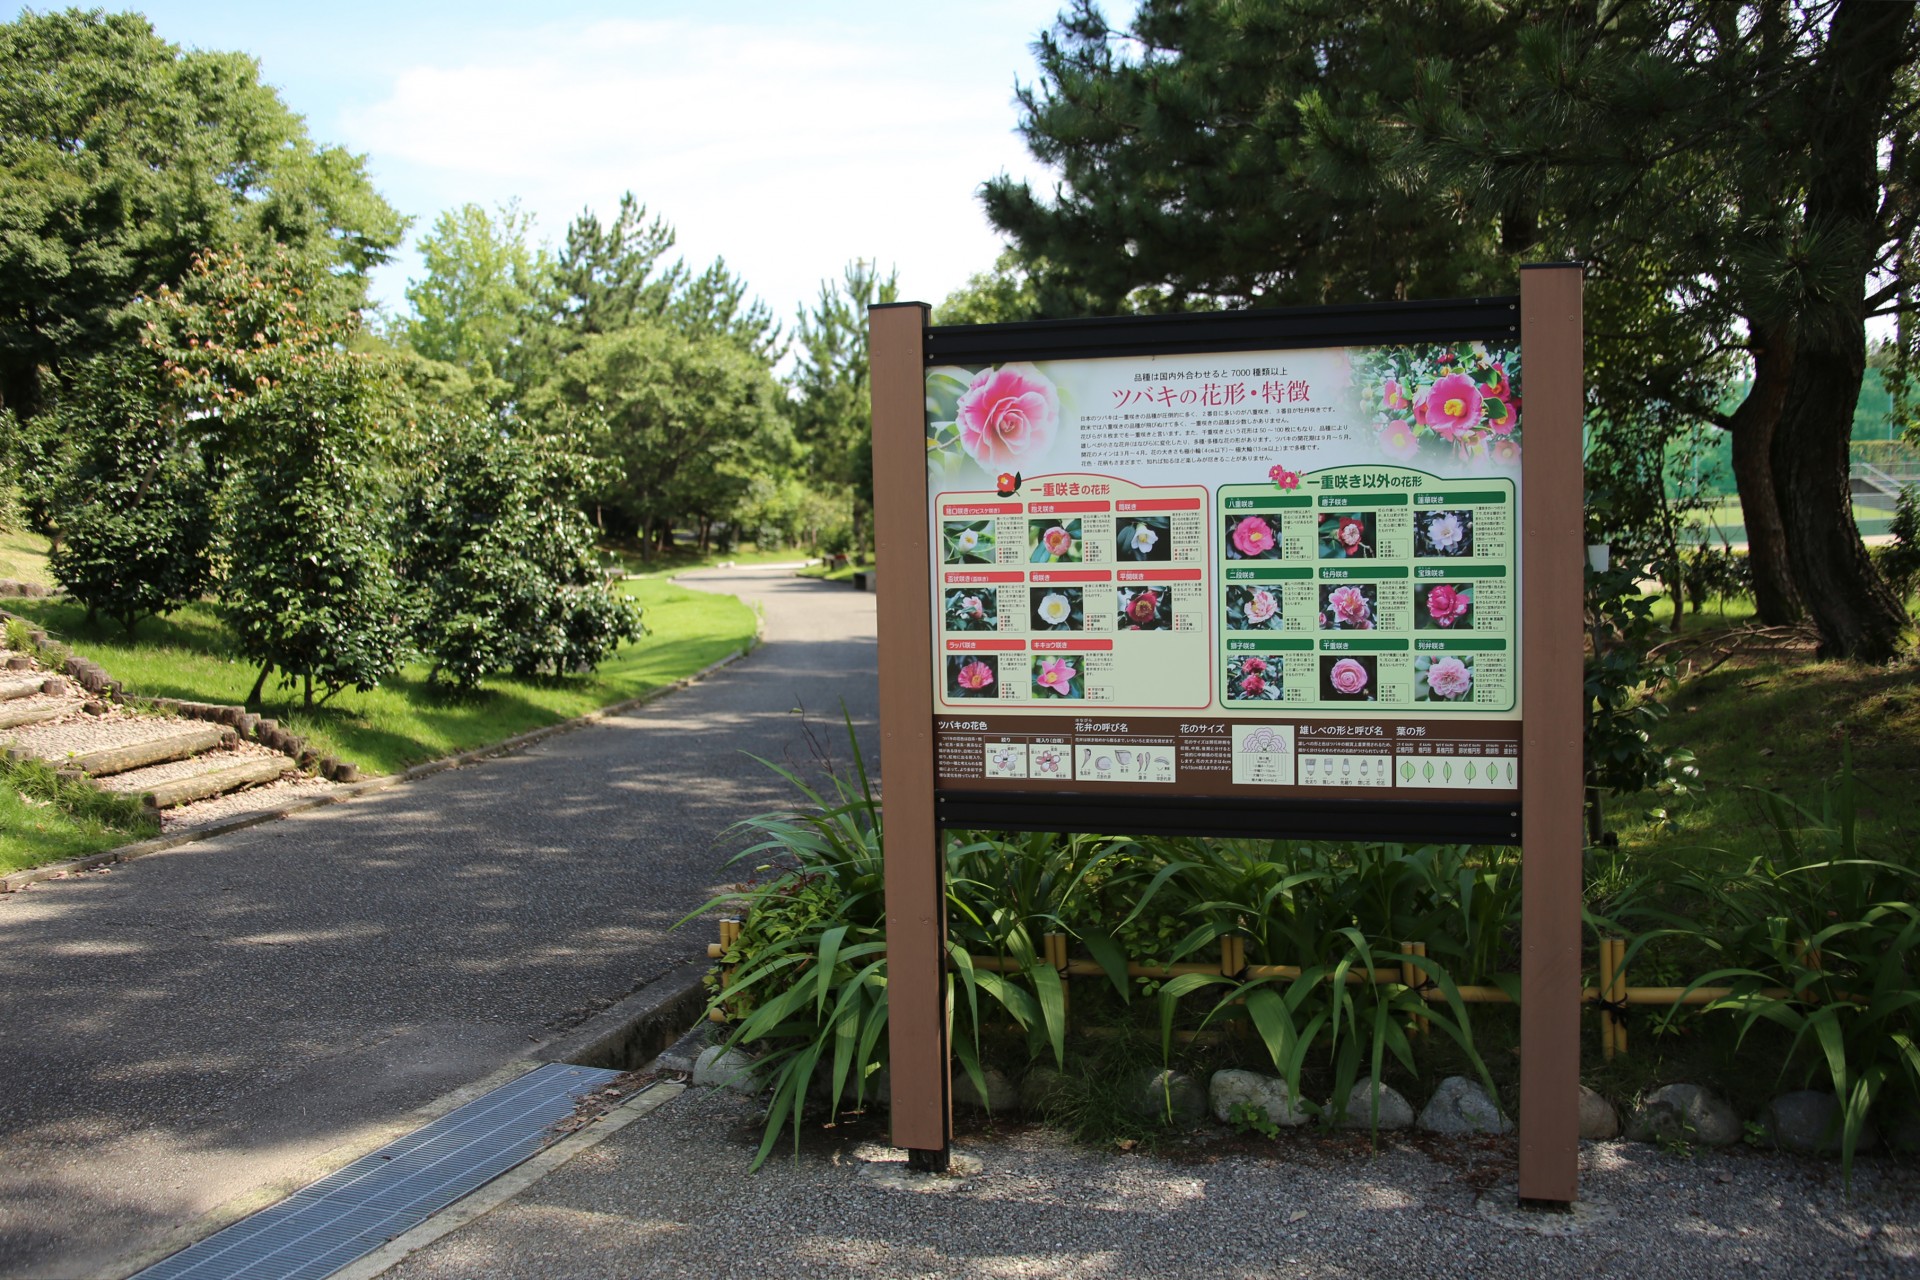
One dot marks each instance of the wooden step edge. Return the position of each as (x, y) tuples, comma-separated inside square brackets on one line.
[(27, 687), (20, 717), (106, 761), (199, 786)]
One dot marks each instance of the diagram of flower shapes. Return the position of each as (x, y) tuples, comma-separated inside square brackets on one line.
[(1057, 541), (1054, 609), (1282, 477), (1349, 677), (1449, 678), (1262, 606), (1350, 606), (1008, 414), (1142, 538), (1055, 675), (1253, 536), (1397, 439), (974, 675), (1444, 530), (1047, 761)]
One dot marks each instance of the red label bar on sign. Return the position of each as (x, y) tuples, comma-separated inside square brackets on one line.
[(982, 509), (1045, 576), (965, 579), (1158, 504), (1160, 575), (986, 646), (1078, 646), (1066, 508)]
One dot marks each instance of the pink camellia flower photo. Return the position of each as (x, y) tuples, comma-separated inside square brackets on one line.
[(1447, 605), (1500, 417), (1253, 537), (1253, 686), (1262, 606), (1348, 678), (1057, 541), (1506, 452), (1453, 405), (1392, 398), (1449, 678), (1253, 666), (1055, 675), (1352, 535), (1397, 440), (1282, 477), (1349, 605), (1144, 607), (974, 675), (1008, 415)]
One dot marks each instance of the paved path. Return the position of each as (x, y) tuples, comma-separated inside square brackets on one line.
[(206, 1021)]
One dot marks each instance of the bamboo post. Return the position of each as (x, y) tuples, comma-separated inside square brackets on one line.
[(1605, 990), (1618, 992), (1233, 955), (1056, 956), (1413, 977)]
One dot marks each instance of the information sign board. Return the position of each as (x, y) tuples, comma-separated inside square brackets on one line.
[(1258, 575)]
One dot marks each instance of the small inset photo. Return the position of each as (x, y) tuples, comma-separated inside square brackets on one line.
[(1347, 535), (1253, 609), (1442, 533), (1144, 538), (1059, 675), (1145, 609), (1054, 542), (973, 608), (1443, 678), (966, 541), (973, 675), (1446, 605), (1349, 608), (1059, 609), (1251, 538), (1252, 678), (1348, 679)]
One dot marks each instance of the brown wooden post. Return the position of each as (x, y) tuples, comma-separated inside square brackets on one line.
[(1552, 604), (920, 1071)]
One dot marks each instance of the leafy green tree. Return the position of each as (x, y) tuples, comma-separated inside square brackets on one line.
[(1002, 294), (683, 422), (833, 407), (120, 157), (137, 503), (501, 558), (480, 294)]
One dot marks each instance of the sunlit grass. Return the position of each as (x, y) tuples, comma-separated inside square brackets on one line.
[(23, 558)]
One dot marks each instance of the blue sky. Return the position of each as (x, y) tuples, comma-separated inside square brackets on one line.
[(787, 137)]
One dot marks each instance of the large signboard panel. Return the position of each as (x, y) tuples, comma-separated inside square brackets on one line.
[(1269, 574)]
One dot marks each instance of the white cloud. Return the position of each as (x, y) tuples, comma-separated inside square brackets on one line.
[(790, 150)]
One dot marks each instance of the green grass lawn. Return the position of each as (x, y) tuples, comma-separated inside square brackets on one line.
[(44, 819), (686, 557), (824, 573), (189, 655), (23, 558)]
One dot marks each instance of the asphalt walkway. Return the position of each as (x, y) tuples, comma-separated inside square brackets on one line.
[(210, 1023)]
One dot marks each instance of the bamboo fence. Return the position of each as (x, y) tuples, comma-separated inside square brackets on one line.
[(1611, 995)]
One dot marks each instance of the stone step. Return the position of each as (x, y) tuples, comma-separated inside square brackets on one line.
[(17, 715), (166, 786), (173, 746), (25, 687)]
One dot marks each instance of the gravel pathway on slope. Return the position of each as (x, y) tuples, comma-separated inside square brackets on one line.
[(671, 1195)]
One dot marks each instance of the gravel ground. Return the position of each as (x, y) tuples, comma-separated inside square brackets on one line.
[(670, 1195), (55, 739), (217, 808)]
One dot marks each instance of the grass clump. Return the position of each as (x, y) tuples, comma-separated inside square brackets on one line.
[(46, 818)]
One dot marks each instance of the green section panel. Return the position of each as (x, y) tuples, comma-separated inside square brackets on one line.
[(1364, 573), (1268, 575), (1268, 504), (1458, 573), (1363, 646), (1269, 646), (1361, 502), (1465, 498), (1462, 644)]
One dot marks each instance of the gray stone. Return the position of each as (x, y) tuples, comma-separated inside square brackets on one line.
[(1041, 1088), (1685, 1113), (1599, 1120), (1002, 1098), (1395, 1111), (1234, 1088), (1171, 1097), (1808, 1121), (1461, 1105), (719, 1067)]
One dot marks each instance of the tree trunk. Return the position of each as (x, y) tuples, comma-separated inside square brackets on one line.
[(1857, 614), (1776, 599)]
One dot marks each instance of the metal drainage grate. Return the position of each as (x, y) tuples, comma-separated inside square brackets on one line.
[(320, 1229)]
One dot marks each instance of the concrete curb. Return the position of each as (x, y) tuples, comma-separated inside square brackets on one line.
[(638, 1028), (15, 881)]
